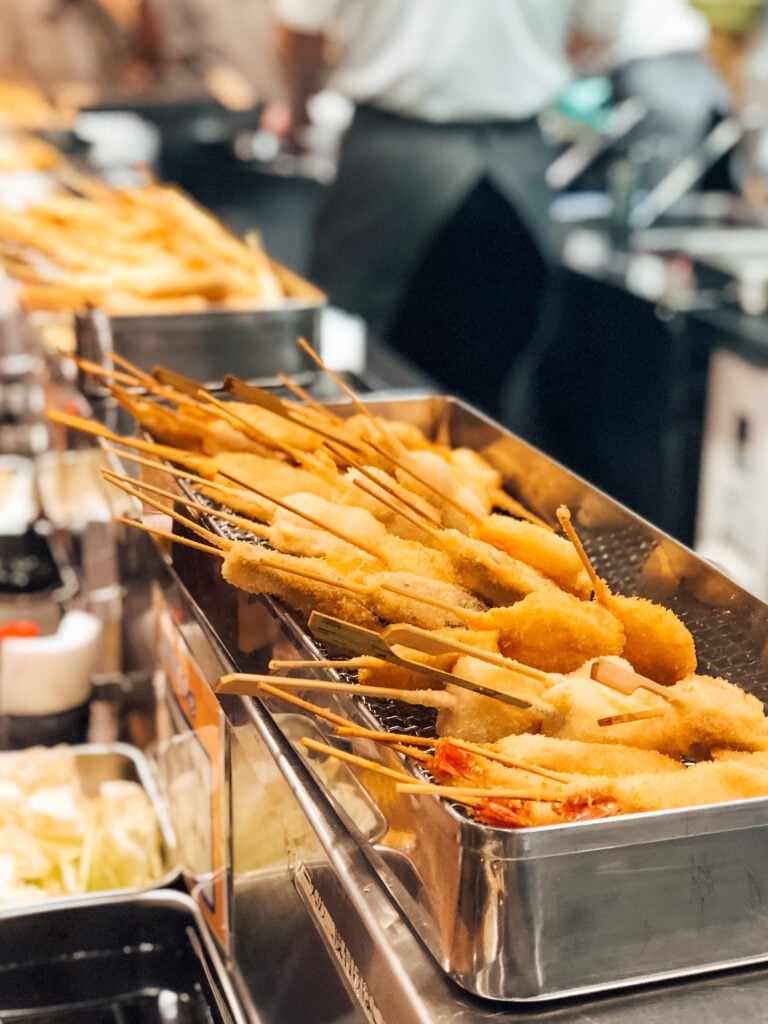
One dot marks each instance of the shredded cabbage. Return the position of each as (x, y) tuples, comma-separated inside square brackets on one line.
[(56, 840)]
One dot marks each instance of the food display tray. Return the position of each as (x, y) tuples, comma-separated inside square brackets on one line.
[(97, 763), (257, 344), (549, 912), (144, 958)]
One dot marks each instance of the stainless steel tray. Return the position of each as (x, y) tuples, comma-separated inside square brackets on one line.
[(95, 764), (256, 344), (144, 958), (551, 912)]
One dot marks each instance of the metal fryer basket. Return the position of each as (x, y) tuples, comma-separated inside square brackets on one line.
[(586, 906)]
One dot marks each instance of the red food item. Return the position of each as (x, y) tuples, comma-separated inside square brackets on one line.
[(18, 628)]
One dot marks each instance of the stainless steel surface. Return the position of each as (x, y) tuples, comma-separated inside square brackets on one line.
[(705, 240), (686, 173), (145, 958), (585, 907), (254, 344), (573, 161)]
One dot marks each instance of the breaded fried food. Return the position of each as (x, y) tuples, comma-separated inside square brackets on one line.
[(481, 719), (703, 713), (649, 782), (428, 474), (259, 570), (580, 758), (397, 607), (496, 576), (545, 550), (291, 532), (554, 631), (658, 644), (384, 673)]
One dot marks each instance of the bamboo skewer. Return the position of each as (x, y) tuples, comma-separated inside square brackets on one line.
[(463, 614), (463, 794), (248, 685), (632, 716), (97, 370), (625, 680), (509, 762), (598, 583), (97, 429), (182, 474), (360, 640), (155, 531), (427, 642), (412, 747), (364, 661), (308, 399), (327, 527), (352, 730), (228, 517), (359, 406), (355, 759), (141, 375), (190, 524), (299, 702)]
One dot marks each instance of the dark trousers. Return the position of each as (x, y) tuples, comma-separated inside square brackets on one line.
[(473, 303)]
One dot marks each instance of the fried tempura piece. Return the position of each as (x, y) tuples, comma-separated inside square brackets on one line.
[(704, 713), (258, 570), (582, 758), (394, 607), (551, 554), (481, 719), (647, 783), (553, 630), (496, 576), (658, 644), (275, 478), (477, 473), (385, 674), (170, 426), (593, 797), (429, 475), (396, 524), (309, 584), (291, 532)]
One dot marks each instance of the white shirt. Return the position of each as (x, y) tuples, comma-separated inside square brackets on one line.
[(652, 28), (450, 60)]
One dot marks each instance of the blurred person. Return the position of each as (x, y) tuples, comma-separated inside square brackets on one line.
[(436, 229), (78, 52), (659, 56), (223, 48)]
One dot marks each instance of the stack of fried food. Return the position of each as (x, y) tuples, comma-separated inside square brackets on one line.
[(131, 251), (557, 699), (24, 110), (23, 105)]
